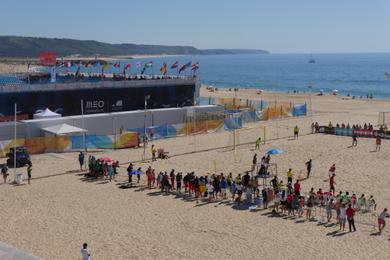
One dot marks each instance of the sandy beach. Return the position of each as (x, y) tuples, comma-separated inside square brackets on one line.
[(61, 209)]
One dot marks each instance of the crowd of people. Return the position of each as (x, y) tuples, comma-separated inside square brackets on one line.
[(281, 197)]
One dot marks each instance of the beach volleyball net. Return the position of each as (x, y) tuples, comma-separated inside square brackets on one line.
[(384, 118)]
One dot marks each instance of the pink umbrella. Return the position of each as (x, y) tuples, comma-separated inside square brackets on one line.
[(105, 159)]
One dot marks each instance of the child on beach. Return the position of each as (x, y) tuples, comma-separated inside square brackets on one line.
[(85, 252), (378, 142)]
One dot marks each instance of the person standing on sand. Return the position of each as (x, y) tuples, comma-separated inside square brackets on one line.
[(354, 140), (290, 175), (81, 160), (179, 178), (254, 162), (332, 183), (342, 217), (350, 214), (378, 142), (29, 169), (308, 167), (329, 207), (129, 172), (257, 145), (381, 220), (296, 132), (4, 171), (153, 151), (85, 255)]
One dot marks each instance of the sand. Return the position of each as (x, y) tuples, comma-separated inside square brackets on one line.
[(59, 211)]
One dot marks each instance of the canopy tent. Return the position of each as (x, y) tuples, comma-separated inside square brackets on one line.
[(63, 129), (47, 113)]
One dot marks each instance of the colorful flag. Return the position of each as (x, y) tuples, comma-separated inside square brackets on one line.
[(182, 68), (175, 65), (125, 68), (78, 74), (149, 64), (163, 69), (195, 66)]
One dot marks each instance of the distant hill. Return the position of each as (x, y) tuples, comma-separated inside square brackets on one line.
[(16, 46)]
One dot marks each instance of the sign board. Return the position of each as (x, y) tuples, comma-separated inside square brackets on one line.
[(48, 58)]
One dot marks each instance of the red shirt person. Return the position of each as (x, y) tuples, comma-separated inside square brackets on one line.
[(297, 188)]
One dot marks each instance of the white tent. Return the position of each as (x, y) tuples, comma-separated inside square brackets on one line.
[(47, 113), (63, 129)]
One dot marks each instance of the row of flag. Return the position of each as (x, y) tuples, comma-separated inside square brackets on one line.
[(105, 65)]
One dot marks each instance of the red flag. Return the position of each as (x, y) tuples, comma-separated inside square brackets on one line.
[(125, 68), (175, 65)]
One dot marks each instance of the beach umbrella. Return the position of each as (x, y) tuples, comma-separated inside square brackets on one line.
[(105, 159), (136, 172), (274, 151)]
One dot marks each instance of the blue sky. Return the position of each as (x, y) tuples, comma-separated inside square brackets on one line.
[(280, 26)]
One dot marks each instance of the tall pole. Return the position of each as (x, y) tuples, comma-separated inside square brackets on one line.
[(15, 141), (310, 104), (82, 125), (145, 109)]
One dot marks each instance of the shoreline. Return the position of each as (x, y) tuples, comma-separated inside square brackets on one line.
[(266, 92)]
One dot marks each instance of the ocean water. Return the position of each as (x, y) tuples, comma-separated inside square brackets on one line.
[(354, 74)]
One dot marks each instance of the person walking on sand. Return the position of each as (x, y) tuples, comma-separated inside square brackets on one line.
[(4, 171), (29, 170), (296, 132), (332, 183), (350, 217), (378, 142), (290, 175), (308, 167), (254, 162), (81, 160), (85, 255), (130, 172), (382, 221), (257, 145), (354, 140), (153, 151), (342, 217)]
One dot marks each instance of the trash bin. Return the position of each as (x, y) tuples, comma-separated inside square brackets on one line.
[(19, 178)]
